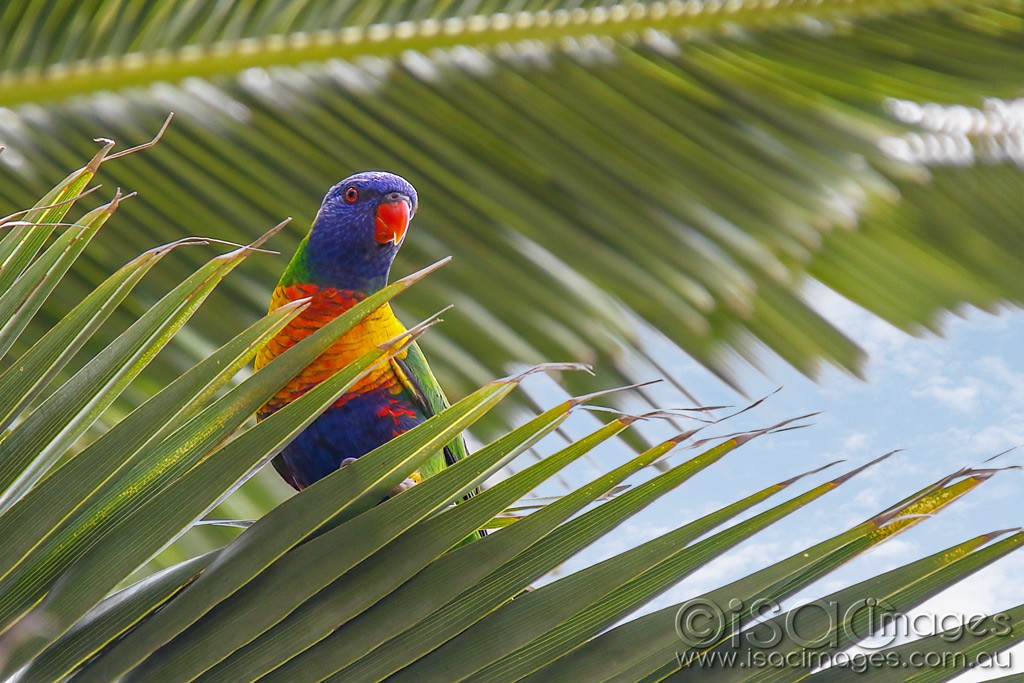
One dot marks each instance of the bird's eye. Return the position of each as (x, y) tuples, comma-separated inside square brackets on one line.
[(351, 194)]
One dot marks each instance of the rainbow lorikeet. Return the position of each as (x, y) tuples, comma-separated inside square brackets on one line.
[(347, 256)]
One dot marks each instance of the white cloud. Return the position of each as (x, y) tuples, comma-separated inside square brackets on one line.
[(998, 371), (894, 551), (962, 394), (998, 437), (855, 442)]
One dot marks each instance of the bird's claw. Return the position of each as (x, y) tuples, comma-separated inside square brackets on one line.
[(404, 486)]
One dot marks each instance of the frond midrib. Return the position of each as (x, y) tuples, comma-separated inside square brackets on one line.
[(622, 22)]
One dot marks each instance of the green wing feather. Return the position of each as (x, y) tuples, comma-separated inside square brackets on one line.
[(415, 375)]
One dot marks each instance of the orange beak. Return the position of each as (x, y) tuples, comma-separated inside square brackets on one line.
[(392, 221)]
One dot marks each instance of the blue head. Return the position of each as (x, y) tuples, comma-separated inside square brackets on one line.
[(358, 230)]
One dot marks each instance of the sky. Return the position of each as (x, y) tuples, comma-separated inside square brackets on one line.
[(948, 402)]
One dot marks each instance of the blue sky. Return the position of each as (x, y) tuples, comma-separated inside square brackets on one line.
[(949, 402)]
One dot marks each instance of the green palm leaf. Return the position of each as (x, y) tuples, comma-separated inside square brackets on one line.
[(682, 163), (604, 173), (411, 600)]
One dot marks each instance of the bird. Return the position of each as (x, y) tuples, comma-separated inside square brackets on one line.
[(346, 257)]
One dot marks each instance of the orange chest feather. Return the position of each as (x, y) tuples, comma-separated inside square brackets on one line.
[(326, 305)]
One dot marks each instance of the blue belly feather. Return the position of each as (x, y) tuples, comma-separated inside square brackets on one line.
[(347, 431)]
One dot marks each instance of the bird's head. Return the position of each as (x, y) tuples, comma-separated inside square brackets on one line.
[(359, 228)]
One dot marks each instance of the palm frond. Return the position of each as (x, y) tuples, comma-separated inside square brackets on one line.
[(681, 163), (602, 172), (375, 589)]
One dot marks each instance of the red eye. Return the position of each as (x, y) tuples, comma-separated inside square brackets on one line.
[(351, 194)]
